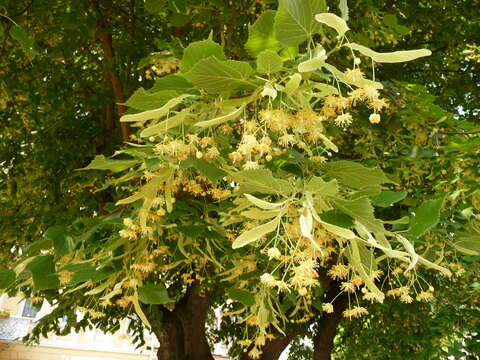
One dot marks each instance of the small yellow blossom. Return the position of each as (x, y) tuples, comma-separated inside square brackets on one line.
[(65, 277), (355, 312), (370, 92), (251, 165), (268, 280), (273, 253), (255, 353), (347, 287), (327, 307), (424, 296), (354, 75), (339, 272), (343, 120), (374, 118)]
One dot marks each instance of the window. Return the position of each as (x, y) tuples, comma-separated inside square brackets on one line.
[(29, 310)]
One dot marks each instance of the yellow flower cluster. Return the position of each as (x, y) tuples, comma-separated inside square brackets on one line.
[(355, 312), (335, 107), (339, 271), (305, 274), (402, 292), (164, 65), (65, 277), (93, 313), (425, 296)]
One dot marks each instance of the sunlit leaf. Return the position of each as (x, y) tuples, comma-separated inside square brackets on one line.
[(333, 21), (294, 21), (255, 234), (391, 57)]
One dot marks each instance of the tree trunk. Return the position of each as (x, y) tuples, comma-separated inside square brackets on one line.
[(171, 338), (274, 348), (182, 336), (327, 325), (193, 314)]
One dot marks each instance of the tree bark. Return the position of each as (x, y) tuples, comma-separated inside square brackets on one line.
[(274, 348), (171, 338), (182, 336), (193, 314), (108, 62), (327, 324)]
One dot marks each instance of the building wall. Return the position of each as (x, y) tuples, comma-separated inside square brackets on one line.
[(90, 344), (85, 345), (18, 351)]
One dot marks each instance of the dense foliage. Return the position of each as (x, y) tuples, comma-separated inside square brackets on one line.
[(290, 187)]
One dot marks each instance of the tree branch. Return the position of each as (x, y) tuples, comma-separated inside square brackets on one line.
[(108, 62)]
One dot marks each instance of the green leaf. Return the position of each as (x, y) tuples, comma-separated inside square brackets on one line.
[(362, 270), (179, 20), (294, 21), (7, 277), (355, 175), (256, 233), (171, 82), (91, 274), (62, 243), (361, 210), (402, 220), (391, 57), (293, 84), (262, 204), (390, 20), (217, 76), (333, 21), (139, 311), (149, 190), (199, 50), (221, 119), (468, 244), (328, 143), (38, 245), (43, 273), (165, 125), (258, 214), (157, 113), (206, 168), (143, 100), (19, 34), (402, 30), (261, 35), (153, 294), (367, 258), (320, 187), (155, 7), (387, 198), (262, 181), (338, 218), (269, 62), (343, 6), (426, 216), (311, 64), (242, 296), (102, 163), (325, 90)]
